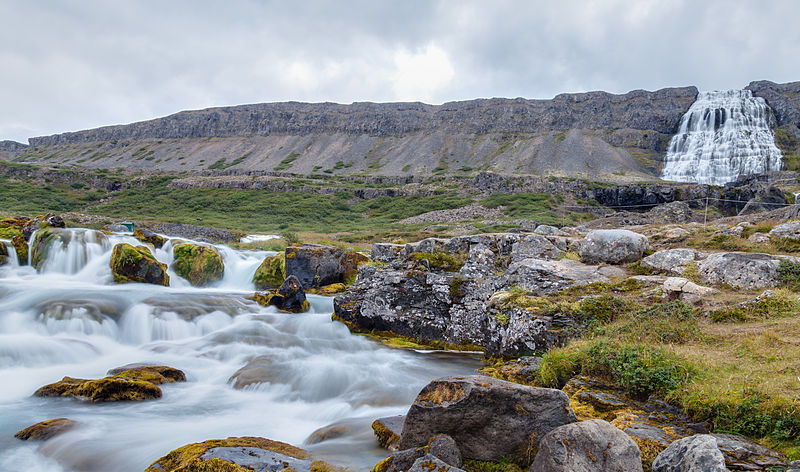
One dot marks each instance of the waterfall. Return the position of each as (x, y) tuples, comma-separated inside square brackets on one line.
[(723, 135)]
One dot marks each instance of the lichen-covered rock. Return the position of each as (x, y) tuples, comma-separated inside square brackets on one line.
[(587, 446), (388, 430), (488, 418), (385, 252), (45, 429), (542, 276), (200, 265), (741, 270), (670, 261), (534, 246), (316, 265), (136, 384), (440, 447), (270, 273), (430, 463), (790, 230), (698, 453), (742, 454), (613, 246), (134, 264), (289, 297), (148, 237), (243, 454)]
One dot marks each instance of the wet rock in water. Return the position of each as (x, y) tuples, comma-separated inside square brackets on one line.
[(613, 246), (21, 247), (670, 261), (316, 265), (289, 298), (270, 273), (740, 270), (136, 264), (45, 430), (3, 253), (135, 384), (388, 431), (440, 447), (488, 418), (694, 453), (587, 446), (332, 431), (148, 237), (240, 455), (200, 265), (50, 220), (258, 370)]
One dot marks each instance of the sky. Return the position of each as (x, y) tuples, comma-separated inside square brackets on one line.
[(69, 65)]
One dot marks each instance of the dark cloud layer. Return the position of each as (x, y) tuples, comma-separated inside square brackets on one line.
[(69, 64)]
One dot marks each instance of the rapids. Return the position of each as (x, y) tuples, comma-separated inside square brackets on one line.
[(70, 319)]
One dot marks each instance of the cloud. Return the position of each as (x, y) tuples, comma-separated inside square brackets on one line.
[(75, 65)]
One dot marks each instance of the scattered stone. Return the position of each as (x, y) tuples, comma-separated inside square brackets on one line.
[(131, 384), (670, 261), (521, 370), (741, 270), (388, 431), (676, 234), (136, 264), (488, 418), (148, 237), (680, 288), (444, 448), (734, 231), (271, 273), (790, 230), (758, 238), (289, 298), (316, 265), (694, 453), (200, 265), (45, 430), (586, 446), (613, 246)]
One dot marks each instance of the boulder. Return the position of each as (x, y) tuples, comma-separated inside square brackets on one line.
[(542, 276), (790, 230), (488, 418), (613, 246), (200, 265), (670, 261), (148, 237), (686, 290), (429, 463), (741, 270), (440, 447), (289, 297), (271, 273), (694, 453), (316, 265), (385, 252), (134, 384), (534, 246), (134, 264), (240, 454), (758, 238), (45, 429), (388, 430), (256, 371), (587, 446), (676, 234), (548, 230)]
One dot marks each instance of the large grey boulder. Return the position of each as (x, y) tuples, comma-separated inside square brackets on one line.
[(671, 261), (316, 265), (613, 246), (789, 230), (488, 418), (747, 271), (536, 246), (587, 446), (698, 453), (543, 276)]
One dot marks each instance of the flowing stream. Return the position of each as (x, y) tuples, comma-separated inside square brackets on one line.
[(723, 135), (70, 319)]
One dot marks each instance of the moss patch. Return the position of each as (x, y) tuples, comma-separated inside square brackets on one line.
[(135, 264), (439, 260), (271, 273)]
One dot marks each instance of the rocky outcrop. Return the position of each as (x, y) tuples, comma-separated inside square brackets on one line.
[(135, 264), (613, 246), (289, 298), (134, 384), (587, 446), (200, 265), (317, 266), (238, 455), (45, 430), (693, 453), (488, 418), (742, 270)]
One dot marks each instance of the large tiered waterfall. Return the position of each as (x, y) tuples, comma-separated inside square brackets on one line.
[(723, 136), (70, 318)]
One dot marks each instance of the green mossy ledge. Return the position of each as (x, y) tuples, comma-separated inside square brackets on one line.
[(200, 265), (134, 384), (271, 273), (137, 264)]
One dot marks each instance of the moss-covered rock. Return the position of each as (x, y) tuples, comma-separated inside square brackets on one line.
[(3, 253), (243, 454), (328, 290), (45, 429), (200, 265), (21, 246), (289, 298), (136, 264), (148, 237), (388, 430), (135, 384), (40, 246), (271, 273)]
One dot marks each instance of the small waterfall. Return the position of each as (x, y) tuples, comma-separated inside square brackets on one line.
[(723, 136), (13, 260)]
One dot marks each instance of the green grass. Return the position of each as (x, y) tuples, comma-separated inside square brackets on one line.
[(287, 161)]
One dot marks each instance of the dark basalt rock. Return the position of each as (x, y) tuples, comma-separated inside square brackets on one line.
[(317, 266), (290, 297)]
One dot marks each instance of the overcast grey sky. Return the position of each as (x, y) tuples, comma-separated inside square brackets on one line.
[(70, 65)]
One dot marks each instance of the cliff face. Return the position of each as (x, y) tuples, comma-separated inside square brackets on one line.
[(586, 134)]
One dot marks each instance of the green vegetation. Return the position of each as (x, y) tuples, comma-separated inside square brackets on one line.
[(439, 261), (287, 161), (538, 206)]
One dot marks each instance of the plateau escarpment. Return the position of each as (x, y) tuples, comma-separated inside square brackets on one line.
[(585, 134)]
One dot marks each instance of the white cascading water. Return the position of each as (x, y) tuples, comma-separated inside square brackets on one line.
[(723, 136), (70, 319)]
